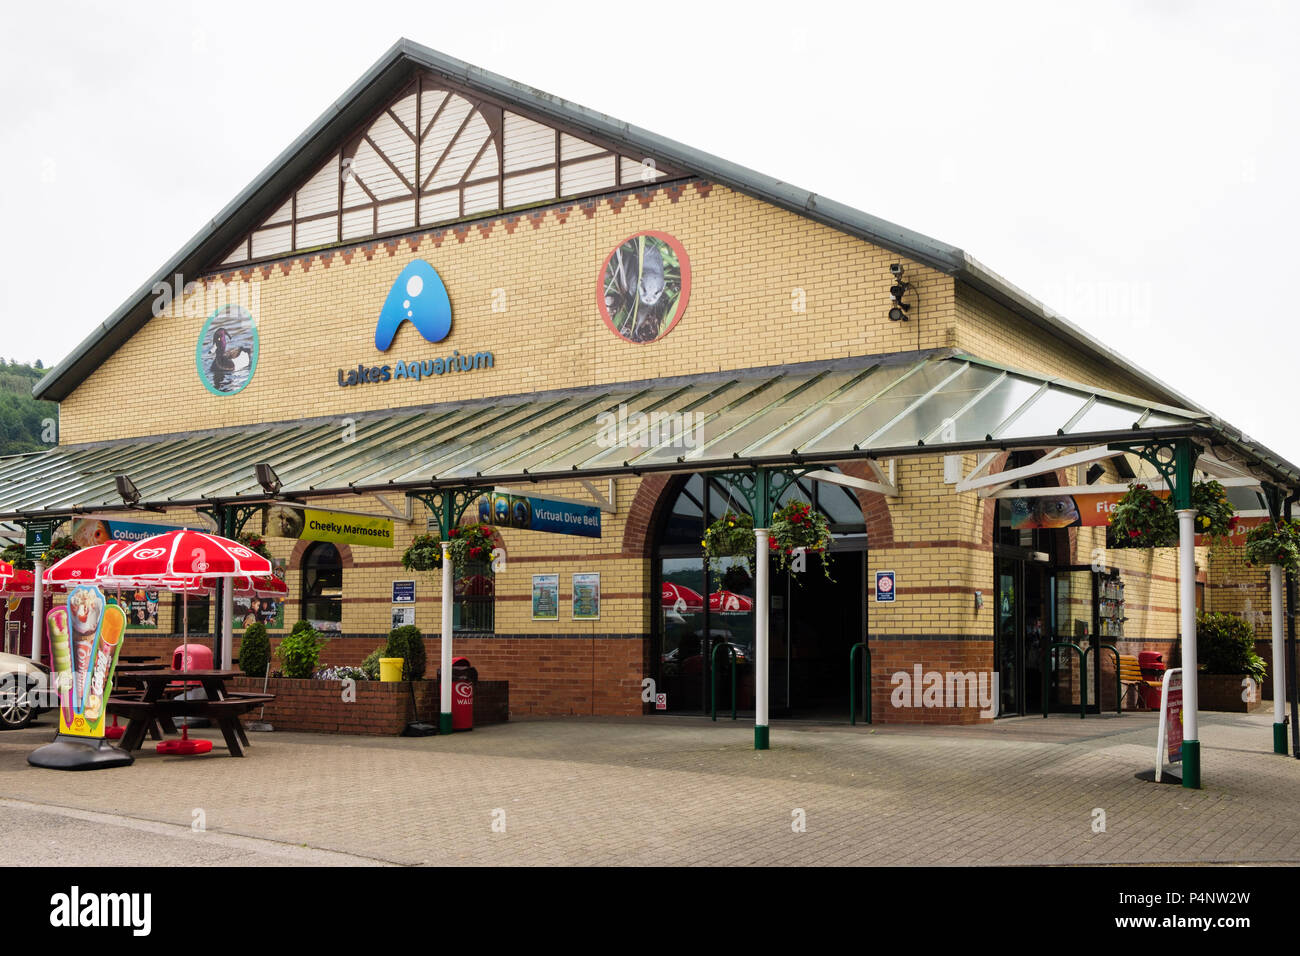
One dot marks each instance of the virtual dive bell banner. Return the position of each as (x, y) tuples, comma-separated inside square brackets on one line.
[(539, 514)]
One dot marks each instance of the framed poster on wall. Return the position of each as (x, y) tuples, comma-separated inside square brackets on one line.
[(546, 597), (586, 597)]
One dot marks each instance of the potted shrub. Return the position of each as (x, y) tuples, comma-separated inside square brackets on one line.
[(254, 650), (1225, 651), (407, 643), (299, 653), (371, 662)]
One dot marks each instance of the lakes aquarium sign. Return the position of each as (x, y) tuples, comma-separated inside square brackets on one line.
[(418, 296)]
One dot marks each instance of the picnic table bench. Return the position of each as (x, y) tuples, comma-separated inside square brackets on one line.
[(150, 712)]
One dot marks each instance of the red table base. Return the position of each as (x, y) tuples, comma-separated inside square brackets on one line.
[(184, 746), (113, 731)]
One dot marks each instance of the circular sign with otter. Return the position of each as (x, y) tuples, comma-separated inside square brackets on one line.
[(644, 285), (226, 354)]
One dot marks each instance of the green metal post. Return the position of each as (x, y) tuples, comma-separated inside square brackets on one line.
[(713, 679), (853, 683)]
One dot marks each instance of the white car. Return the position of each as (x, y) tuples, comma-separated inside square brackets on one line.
[(21, 681)]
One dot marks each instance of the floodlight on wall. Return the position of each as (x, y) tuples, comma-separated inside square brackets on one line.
[(127, 490), (267, 478), (898, 312)]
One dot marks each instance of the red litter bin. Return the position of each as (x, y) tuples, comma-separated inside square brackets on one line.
[(1152, 666), (463, 677)]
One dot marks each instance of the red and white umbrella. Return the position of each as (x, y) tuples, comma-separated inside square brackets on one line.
[(6, 569), (81, 567), (178, 557), (184, 554), (725, 602), (22, 584), (265, 586), (681, 598)]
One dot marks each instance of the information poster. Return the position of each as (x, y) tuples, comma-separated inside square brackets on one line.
[(141, 609), (546, 597), (403, 615), (267, 611), (85, 641), (586, 597)]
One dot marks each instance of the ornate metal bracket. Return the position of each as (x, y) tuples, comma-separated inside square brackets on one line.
[(1173, 460), (764, 486), (449, 504)]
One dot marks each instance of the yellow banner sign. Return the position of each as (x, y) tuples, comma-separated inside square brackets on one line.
[(343, 528)]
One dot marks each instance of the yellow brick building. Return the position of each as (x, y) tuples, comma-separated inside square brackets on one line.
[(593, 267)]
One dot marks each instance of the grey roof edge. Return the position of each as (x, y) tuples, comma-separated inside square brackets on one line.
[(985, 280), (400, 62)]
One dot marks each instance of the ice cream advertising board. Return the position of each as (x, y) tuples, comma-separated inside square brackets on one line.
[(85, 641)]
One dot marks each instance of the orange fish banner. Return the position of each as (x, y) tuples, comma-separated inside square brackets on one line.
[(1092, 511)]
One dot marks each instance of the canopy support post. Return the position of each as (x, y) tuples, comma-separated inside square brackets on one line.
[(762, 603), (444, 679), (1279, 670), (38, 611)]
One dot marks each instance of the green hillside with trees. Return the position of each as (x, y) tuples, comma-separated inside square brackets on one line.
[(22, 418)]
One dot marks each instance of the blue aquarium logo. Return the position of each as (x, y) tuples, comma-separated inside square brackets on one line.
[(419, 296)]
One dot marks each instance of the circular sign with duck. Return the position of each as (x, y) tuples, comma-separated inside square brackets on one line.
[(226, 353), (644, 286)]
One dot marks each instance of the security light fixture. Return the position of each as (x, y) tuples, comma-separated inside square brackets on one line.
[(267, 478), (898, 312), (127, 490)]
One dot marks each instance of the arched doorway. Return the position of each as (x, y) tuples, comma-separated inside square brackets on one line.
[(322, 587), (813, 621)]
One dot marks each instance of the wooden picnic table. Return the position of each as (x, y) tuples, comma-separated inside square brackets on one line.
[(155, 712)]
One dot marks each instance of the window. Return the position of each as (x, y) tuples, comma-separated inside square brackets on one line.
[(191, 613), (474, 607), (322, 587)]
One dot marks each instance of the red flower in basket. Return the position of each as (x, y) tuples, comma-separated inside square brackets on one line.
[(475, 552), (455, 532), (1134, 534)]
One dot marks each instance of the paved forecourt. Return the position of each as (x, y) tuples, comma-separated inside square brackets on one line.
[(672, 791)]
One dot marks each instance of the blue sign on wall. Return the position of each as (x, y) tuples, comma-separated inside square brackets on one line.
[(539, 514), (884, 586)]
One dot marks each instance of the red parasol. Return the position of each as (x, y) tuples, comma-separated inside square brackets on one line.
[(180, 557), (681, 598), (183, 554), (730, 602), (81, 566)]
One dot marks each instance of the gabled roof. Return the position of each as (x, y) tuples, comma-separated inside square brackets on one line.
[(394, 71)]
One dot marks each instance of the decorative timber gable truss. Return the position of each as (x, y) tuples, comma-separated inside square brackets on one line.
[(436, 154)]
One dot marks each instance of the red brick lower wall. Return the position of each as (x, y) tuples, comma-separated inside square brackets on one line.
[(548, 676), (317, 706), (889, 657)]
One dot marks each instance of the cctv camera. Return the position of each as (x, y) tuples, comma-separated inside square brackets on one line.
[(896, 269)]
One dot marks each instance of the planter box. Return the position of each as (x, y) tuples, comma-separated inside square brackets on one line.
[(1223, 692), (317, 706)]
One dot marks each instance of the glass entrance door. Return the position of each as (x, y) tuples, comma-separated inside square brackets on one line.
[(1007, 574)]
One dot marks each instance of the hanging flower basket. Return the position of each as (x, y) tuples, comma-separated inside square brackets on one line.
[(255, 543), (468, 543), (797, 525), (1215, 516), (59, 549), (731, 536), (1274, 543), (1143, 519)]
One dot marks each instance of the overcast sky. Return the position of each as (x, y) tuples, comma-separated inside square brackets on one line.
[(1132, 165)]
